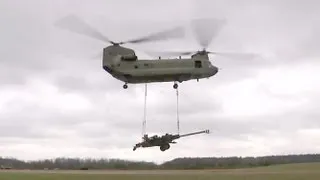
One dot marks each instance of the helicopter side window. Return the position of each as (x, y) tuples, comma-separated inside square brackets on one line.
[(198, 64)]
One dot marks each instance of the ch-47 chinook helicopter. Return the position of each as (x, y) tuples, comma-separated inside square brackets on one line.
[(123, 64)]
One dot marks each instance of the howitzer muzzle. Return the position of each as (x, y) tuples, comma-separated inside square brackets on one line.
[(199, 132)]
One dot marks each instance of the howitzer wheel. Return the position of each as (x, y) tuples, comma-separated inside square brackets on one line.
[(164, 147)]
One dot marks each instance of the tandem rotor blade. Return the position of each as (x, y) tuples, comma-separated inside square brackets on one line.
[(169, 53), (77, 25), (231, 55), (235, 55), (177, 32), (206, 29)]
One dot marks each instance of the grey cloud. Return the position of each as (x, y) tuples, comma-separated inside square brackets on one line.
[(235, 128), (110, 127), (31, 47), (196, 104), (36, 33), (20, 130), (43, 63)]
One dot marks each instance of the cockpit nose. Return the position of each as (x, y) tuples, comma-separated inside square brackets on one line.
[(213, 70)]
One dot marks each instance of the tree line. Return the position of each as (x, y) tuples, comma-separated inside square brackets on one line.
[(178, 163)]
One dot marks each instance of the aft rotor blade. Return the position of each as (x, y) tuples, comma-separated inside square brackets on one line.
[(206, 29), (236, 55), (77, 25), (177, 32)]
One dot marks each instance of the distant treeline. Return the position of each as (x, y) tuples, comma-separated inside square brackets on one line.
[(179, 163)]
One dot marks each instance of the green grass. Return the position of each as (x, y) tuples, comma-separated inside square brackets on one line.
[(307, 171)]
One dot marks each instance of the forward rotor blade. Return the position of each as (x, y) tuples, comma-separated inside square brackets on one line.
[(236, 55), (177, 32), (97, 56), (76, 25), (206, 29)]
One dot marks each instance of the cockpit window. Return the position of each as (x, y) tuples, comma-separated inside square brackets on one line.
[(198, 64)]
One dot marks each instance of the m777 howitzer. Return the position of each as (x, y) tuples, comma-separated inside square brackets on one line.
[(163, 141)]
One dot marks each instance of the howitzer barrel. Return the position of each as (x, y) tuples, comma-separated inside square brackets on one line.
[(199, 132)]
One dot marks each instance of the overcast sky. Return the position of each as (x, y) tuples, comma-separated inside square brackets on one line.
[(56, 100)]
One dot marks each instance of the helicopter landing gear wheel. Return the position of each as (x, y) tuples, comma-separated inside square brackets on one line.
[(164, 147), (125, 86), (175, 86)]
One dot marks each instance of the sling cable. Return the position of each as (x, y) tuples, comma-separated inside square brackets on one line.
[(144, 122)]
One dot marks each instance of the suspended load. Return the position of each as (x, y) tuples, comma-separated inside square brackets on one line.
[(163, 141)]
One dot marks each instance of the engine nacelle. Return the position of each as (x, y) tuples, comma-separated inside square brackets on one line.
[(129, 57)]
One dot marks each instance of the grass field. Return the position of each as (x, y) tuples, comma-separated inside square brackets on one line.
[(308, 171)]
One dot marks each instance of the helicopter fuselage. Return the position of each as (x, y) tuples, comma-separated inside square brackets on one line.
[(129, 69)]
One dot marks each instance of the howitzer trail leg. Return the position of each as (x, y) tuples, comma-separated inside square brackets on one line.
[(136, 146)]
